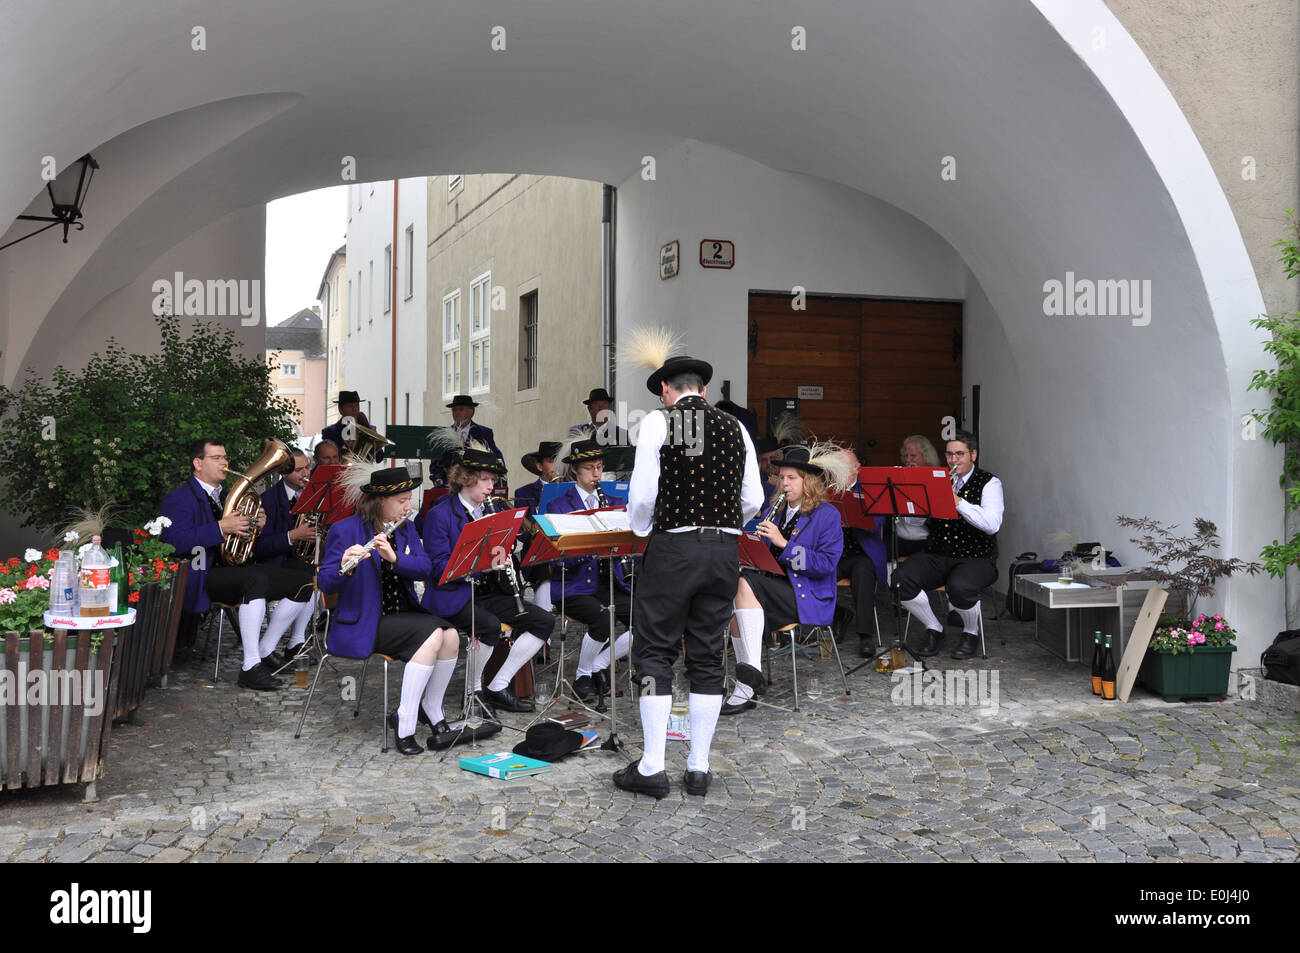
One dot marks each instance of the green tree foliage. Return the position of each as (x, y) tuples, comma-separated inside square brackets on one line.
[(116, 432), (1282, 420)]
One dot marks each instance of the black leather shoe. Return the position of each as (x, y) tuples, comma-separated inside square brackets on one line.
[(482, 702), (930, 644), (442, 737), (259, 679), (748, 675), (274, 662), (407, 745), (729, 709), (585, 688), (293, 653), (631, 779), (600, 682), (506, 699), (697, 782), (967, 647)]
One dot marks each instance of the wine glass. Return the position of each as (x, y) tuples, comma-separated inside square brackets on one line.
[(1066, 575), (813, 690)]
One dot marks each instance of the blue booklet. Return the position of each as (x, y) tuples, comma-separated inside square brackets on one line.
[(505, 765), (616, 490)]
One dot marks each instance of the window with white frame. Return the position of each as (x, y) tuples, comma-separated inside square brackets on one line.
[(480, 333), (451, 344), (388, 278), (288, 370), (410, 260)]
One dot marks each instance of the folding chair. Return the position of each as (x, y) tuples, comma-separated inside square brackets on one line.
[(983, 650)]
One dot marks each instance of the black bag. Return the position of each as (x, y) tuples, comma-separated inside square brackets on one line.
[(1017, 606), (1281, 660)]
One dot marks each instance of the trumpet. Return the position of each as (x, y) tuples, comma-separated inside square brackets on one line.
[(390, 529)]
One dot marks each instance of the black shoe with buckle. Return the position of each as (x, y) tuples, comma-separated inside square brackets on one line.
[(631, 779), (407, 745), (697, 782), (443, 735), (748, 675), (506, 699), (967, 646), (730, 709), (259, 679), (584, 686), (930, 644)]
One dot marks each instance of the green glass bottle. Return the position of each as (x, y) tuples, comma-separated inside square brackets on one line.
[(117, 581)]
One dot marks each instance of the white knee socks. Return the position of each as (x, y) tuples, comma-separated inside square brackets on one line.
[(587, 655), (622, 645), (542, 595), (654, 732), (414, 680), (300, 623), (970, 619), (704, 718), (282, 616), (251, 615), (437, 688), (478, 659), (525, 647), (921, 611), (748, 646)]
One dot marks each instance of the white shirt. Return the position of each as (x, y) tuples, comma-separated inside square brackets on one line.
[(643, 488), (987, 516), (913, 527), (212, 491), (474, 511)]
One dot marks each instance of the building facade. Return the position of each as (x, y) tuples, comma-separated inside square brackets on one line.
[(333, 297), (295, 350)]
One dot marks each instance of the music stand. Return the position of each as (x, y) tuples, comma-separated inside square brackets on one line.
[(483, 545), (321, 494), (903, 491)]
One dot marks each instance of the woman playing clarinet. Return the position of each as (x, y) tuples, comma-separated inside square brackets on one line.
[(372, 560), (803, 532)]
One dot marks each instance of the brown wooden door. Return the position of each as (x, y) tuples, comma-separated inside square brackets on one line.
[(887, 369)]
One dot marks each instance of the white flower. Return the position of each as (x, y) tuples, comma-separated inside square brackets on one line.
[(32, 556), (69, 537), (157, 525), (81, 553)]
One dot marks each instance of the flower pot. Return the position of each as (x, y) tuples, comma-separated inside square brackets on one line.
[(55, 736), (165, 643), (1199, 674)]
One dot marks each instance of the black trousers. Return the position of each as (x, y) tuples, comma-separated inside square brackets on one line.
[(860, 571), (593, 611), (964, 579), (686, 587), (493, 608), (240, 584)]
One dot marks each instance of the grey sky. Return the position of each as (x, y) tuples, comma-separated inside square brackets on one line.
[(301, 232)]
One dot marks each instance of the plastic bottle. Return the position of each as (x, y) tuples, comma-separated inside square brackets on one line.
[(95, 581)]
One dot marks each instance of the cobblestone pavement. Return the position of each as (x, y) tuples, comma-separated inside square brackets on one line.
[(213, 774)]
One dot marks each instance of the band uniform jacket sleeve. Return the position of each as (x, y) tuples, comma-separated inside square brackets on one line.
[(988, 515), (442, 528), (579, 576), (811, 558), (193, 527), (356, 618), (643, 488), (272, 543)]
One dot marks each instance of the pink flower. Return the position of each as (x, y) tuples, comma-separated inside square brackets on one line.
[(1196, 638), (1218, 626), (7, 596), (37, 582), (1217, 616), (1197, 623)]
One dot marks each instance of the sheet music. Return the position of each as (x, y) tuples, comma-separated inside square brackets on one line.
[(608, 521)]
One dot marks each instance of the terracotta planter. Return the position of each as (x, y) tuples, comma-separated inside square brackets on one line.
[(1200, 674), (54, 736)]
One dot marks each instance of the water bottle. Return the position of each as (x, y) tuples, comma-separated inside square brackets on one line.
[(95, 571)]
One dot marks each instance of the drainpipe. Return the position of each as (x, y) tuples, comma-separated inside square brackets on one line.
[(392, 278), (607, 283)]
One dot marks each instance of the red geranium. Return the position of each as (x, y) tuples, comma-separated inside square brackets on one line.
[(133, 597), (15, 562), (52, 553)]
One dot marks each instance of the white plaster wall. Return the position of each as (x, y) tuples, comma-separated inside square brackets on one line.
[(789, 230), (368, 349)]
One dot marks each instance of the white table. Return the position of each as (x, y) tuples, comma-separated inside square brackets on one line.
[(1087, 592)]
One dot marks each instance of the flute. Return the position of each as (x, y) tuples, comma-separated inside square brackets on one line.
[(389, 528)]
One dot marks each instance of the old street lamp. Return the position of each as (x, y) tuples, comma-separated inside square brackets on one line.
[(67, 193)]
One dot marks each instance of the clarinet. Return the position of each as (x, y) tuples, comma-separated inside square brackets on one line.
[(511, 569), (625, 562), (390, 531)]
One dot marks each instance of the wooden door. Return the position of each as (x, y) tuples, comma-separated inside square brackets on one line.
[(886, 368)]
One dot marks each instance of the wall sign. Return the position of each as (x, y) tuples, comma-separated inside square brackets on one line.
[(809, 392), (669, 259), (717, 253)]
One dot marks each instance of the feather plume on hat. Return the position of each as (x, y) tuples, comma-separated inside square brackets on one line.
[(566, 448), (650, 347), (785, 429), (441, 440), (353, 477), (833, 460), (85, 523)]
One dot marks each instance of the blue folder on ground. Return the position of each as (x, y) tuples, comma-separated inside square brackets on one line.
[(505, 765)]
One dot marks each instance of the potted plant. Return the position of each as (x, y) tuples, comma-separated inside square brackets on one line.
[(1190, 660), (1189, 656), (56, 688)]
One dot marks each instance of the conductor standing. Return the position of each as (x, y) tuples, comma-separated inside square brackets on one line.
[(694, 485)]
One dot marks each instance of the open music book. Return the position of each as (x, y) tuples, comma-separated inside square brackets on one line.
[(564, 524)]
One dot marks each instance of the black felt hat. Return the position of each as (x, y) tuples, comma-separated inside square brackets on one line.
[(549, 742), (678, 365), (584, 451), (797, 457), (348, 397), (765, 445), (462, 400), (472, 459), (386, 482), (598, 393), (546, 449)]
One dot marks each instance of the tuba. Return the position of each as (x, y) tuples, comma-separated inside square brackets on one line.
[(368, 441), (243, 501)]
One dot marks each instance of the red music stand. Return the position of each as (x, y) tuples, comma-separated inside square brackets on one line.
[(853, 509), (754, 554), (484, 544), (323, 493)]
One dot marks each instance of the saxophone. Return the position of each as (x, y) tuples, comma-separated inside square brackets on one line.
[(242, 501)]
